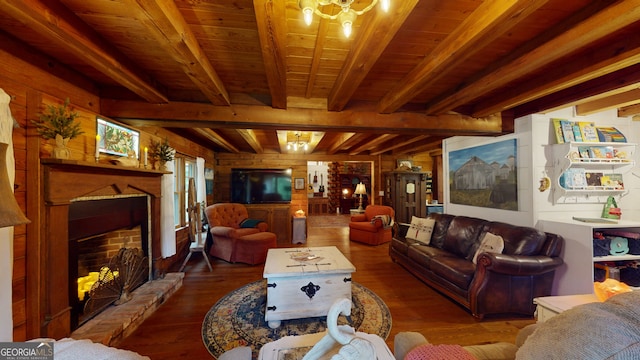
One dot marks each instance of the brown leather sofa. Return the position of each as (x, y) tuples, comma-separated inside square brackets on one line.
[(504, 283), (371, 229), (236, 238)]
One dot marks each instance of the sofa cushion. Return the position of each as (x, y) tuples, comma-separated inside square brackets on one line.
[(455, 270), (463, 233), (422, 254), (440, 230), (490, 243), (421, 229), (518, 240)]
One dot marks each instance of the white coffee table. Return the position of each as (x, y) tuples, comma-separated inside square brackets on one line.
[(304, 282), (550, 306)]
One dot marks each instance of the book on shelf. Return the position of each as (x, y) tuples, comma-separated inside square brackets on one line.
[(612, 181), (588, 131), (577, 134), (557, 129), (574, 178), (567, 130), (601, 152), (593, 179), (610, 134), (584, 152)]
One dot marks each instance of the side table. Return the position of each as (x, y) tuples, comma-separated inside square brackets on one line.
[(550, 306), (299, 230)]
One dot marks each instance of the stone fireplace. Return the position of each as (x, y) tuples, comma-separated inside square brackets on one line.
[(67, 182)]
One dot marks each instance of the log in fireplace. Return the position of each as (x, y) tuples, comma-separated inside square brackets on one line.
[(66, 182)]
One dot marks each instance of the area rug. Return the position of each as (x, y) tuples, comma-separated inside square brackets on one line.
[(328, 221), (238, 319)]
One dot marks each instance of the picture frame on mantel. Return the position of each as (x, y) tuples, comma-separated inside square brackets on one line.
[(299, 183)]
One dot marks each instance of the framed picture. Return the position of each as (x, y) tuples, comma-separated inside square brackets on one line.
[(299, 184), (485, 175), (116, 139)]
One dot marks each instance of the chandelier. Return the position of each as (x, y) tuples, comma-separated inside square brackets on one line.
[(346, 16), (297, 144)]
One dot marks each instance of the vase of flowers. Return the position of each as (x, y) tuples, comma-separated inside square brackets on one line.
[(58, 123), (161, 152)]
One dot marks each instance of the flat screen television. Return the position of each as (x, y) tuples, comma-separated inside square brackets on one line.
[(261, 186)]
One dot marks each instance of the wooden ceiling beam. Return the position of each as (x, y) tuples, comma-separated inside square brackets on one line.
[(339, 141), (434, 143), (397, 145), (631, 110), (626, 98), (270, 19), (488, 22), (323, 28), (63, 28), (372, 143), (612, 56), (217, 139), (355, 119), (250, 137), (373, 37), (165, 22), (613, 18), (590, 90)]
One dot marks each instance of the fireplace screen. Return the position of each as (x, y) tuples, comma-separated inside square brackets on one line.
[(115, 282)]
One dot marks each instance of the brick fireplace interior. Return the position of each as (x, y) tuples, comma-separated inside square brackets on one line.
[(98, 229)]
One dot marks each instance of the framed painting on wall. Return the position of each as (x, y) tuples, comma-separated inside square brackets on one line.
[(299, 184), (485, 176)]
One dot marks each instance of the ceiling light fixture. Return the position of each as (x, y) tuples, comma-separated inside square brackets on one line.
[(346, 16), (298, 144)]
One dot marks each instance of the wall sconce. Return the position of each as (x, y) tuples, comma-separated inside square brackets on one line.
[(10, 212)]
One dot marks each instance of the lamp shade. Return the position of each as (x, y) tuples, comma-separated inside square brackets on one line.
[(360, 189), (10, 212)]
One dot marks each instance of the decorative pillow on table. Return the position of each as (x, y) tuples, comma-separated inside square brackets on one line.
[(490, 243), (420, 229)]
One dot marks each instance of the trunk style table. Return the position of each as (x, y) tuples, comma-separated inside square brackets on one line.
[(304, 282)]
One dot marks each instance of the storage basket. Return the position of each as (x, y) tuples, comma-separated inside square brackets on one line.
[(601, 247), (630, 274)]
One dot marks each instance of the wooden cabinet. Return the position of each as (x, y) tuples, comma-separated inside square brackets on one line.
[(406, 193), (277, 216), (318, 205)]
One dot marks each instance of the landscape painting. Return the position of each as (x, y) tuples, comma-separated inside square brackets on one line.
[(485, 176)]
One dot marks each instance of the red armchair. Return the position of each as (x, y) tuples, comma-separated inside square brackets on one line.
[(374, 226), (235, 236)]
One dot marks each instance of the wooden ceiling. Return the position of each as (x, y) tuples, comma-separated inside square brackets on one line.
[(236, 75)]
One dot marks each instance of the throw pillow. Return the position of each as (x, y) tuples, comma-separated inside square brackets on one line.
[(490, 243), (421, 229)]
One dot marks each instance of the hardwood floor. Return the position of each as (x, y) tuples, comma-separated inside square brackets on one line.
[(174, 331)]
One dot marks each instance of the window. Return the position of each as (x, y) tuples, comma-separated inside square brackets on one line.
[(185, 169)]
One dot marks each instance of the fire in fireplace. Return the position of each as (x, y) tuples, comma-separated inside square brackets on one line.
[(108, 253)]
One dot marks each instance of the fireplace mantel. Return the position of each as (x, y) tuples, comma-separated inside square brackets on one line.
[(65, 181)]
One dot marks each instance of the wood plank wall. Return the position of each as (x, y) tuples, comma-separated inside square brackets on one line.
[(31, 88)]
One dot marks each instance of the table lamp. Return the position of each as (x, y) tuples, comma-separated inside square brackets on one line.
[(360, 190)]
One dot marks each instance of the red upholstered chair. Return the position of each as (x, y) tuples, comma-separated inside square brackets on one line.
[(235, 236), (374, 226)]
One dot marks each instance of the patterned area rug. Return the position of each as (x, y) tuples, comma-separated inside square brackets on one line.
[(238, 319), (324, 221)]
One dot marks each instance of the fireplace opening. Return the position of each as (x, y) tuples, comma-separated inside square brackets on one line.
[(108, 253)]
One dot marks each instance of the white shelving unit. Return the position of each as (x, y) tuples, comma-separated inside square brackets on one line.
[(575, 276), (567, 156)]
